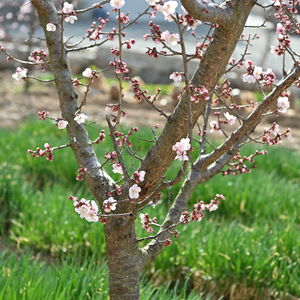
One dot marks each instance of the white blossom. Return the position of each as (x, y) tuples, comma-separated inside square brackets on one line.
[(249, 78), (50, 27), (88, 73), (80, 118), (21, 73), (181, 149), (176, 76), (62, 124), (109, 204), (117, 168), (68, 8), (87, 209), (230, 118), (170, 38), (283, 104), (117, 3), (134, 191), (71, 19)]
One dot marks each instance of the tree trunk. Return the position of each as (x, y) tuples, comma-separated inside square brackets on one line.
[(124, 262)]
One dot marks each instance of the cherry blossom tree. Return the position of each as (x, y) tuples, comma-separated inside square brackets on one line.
[(203, 110)]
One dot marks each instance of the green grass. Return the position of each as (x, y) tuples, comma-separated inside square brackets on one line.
[(252, 240), (29, 277)]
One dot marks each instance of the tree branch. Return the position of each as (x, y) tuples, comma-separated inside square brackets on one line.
[(96, 178), (209, 72), (233, 142), (208, 12)]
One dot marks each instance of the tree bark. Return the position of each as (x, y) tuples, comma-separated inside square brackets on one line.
[(124, 261)]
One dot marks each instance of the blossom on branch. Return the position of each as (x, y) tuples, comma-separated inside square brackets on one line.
[(50, 27), (117, 168), (230, 118), (182, 148), (80, 118), (88, 73), (62, 124), (283, 104), (109, 204), (87, 209), (21, 73), (117, 3), (170, 38), (134, 192), (176, 76)]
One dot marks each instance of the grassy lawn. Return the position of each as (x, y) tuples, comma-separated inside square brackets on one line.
[(250, 245)]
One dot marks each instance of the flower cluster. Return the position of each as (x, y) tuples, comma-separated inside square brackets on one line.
[(87, 209), (272, 136), (215, 125), (47, 152), (198, 93), (147, 222), (255, 74), (69, 13), (181, 148), (120, 66), (238, 166), (81, 171), (38, 56), (170, 38), (94, 33), (199, 209), (176, 76)]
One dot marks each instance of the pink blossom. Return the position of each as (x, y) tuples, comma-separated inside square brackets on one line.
[(214, 126), (109, 204), (283, 104), (87, 209), (181, 149), (249, 78), (134, 192), (170, 38), (50, 27), (117, 3), (21, 73), (176, 76), (230, 118), (117, 168)]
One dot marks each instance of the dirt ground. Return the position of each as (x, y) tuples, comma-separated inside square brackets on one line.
[(15, 106)]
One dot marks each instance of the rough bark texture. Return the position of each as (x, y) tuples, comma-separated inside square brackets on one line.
[(124, 261)]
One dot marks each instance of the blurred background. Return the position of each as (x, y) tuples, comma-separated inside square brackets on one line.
[(248, 249)]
